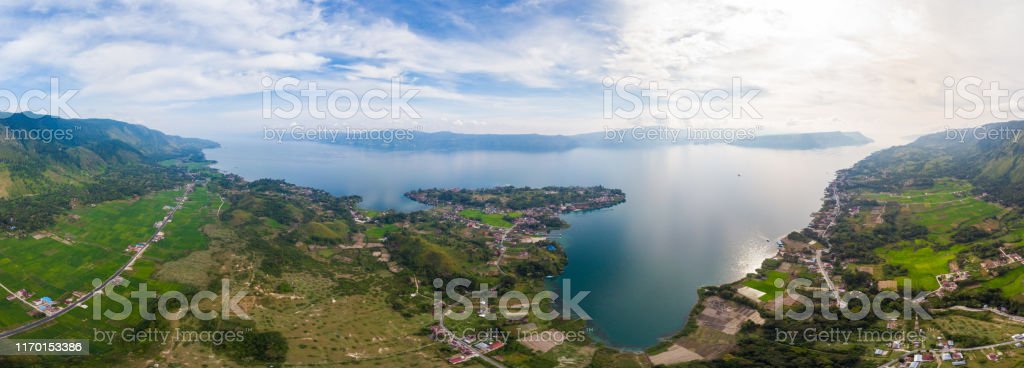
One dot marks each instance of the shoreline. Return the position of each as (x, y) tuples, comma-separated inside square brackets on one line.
[(597, 341)]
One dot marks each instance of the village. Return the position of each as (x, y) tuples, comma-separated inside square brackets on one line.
[(469, 346)]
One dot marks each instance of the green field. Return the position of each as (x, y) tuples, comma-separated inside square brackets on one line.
[(376, 233), (98, 237), (493, 219), (50, 268), (923, 264), (767, 286), (184, 234), (117, 224), (1012, 283), (947, 217), (942, 191), (942, 208)]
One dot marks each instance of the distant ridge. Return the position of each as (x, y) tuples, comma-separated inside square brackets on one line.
[(449, 141)]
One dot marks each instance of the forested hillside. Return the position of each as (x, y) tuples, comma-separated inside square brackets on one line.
[(49, 164), (990, 157), (39, 153)]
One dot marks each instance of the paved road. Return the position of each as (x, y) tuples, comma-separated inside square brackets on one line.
[(824, 272), (34, 324)]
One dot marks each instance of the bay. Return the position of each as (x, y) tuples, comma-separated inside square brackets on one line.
[(695, 215)]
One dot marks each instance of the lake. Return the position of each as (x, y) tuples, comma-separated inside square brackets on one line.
[(694, 215)]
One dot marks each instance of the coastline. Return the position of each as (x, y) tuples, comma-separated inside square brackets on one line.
[(681, 329)]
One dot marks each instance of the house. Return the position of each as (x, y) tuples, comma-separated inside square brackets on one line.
[(457, 359)]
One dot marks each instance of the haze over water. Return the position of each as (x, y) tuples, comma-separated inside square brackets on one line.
[(694, 215)]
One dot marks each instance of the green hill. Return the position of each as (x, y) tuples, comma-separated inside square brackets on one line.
[(38, 153), (991, 157)]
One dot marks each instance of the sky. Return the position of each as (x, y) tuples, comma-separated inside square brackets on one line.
[(528, 66)]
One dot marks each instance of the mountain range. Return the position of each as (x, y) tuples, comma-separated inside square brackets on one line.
[(623, 138)]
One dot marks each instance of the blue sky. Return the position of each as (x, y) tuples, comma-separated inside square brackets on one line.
[(193, 67)]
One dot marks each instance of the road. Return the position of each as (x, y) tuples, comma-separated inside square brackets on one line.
[(1014, 318), (34, 324), (501, 247), (824, 272), (818, 253), (18, 296)]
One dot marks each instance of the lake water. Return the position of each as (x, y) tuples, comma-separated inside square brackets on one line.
[(694, 215)]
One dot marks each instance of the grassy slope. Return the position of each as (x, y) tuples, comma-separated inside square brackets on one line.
[(767, 285)]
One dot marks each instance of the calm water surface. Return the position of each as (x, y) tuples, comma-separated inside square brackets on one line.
[(694, 215)]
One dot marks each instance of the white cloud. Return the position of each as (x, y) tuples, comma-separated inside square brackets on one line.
[(875, 66)]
